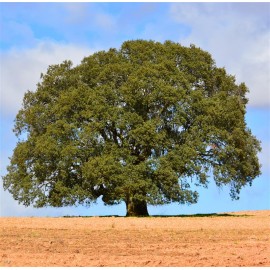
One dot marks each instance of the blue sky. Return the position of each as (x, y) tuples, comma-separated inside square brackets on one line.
[(35, 35)]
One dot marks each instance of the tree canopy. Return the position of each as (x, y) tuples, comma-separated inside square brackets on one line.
[(142, 125)]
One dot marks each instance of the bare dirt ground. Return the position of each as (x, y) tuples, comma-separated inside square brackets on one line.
[(239, 240)]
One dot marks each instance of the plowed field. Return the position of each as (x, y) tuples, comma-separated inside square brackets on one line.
[(238, 239)]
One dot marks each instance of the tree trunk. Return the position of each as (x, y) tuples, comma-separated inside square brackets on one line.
[(136, 208)]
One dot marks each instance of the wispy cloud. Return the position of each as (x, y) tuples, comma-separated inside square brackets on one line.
[(238, 37), (76, 13), (84, 23), (21, 69), (89, 17)]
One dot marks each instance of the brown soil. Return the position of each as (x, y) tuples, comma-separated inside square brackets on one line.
[(238, 240)]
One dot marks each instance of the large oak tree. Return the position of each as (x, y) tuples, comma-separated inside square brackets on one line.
[(134, 125)]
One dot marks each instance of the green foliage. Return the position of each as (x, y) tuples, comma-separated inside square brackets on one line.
[(139, 123)]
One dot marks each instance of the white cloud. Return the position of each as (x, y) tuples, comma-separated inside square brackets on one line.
[(77, 12), (238, 37), (14, 30), (21, 69), (105, 21), (89, 15)]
